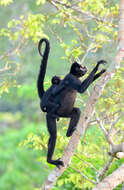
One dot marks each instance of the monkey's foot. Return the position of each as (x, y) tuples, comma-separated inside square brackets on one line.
[(58, 163), (70, 132), (56, 117)]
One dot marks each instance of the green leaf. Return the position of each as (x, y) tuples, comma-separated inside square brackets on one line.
[(38, 2), (5, 2)]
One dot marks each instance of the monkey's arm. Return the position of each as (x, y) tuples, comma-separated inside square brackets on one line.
[(99, 74), (58, 89), (73, 82), (81, 87)]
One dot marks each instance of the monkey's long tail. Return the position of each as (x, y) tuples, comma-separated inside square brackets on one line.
[(43, 66)]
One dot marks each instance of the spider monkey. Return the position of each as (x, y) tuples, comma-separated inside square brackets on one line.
[(65, 93)]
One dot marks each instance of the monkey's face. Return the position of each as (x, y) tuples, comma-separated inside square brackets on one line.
[(83, 71), (56, 80), (78, 70)]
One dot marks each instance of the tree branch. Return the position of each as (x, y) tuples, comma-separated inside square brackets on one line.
[(83, 175), (103, 171), (112, 181)]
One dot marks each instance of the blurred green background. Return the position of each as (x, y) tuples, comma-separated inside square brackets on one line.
[(23, 133)]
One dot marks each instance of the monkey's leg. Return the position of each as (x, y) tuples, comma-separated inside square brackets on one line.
[(53, 111), (75, 116), (50, 108), (51, 124)]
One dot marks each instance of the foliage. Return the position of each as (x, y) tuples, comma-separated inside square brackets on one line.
[(20, 168), (5, 2), (98, 29), (111, 103), (86, 30)]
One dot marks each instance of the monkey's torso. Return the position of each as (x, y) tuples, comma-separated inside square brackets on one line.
[(68, 98)]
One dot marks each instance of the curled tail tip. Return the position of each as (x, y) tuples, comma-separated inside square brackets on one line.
[(43, 40), (40, 43)]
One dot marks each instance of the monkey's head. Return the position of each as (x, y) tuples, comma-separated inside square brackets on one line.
[(55, 80), (78, 70)]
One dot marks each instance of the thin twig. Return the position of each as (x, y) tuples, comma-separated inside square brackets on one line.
[(104, 170), (11, 52), (84, 161), (115, 122), (83, 175), (59, 39), (107, 136)]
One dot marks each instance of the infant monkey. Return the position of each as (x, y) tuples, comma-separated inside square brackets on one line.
[(47, 104)]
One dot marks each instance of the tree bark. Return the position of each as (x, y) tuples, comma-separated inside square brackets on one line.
[(112, 181)]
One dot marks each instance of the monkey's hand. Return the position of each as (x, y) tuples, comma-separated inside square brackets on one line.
[(102, 62)]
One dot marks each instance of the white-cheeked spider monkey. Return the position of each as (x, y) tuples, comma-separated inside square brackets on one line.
[(58, 100)]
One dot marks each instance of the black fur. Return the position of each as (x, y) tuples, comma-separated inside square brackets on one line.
[(65, 94), (42, 66), (47, 104)]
